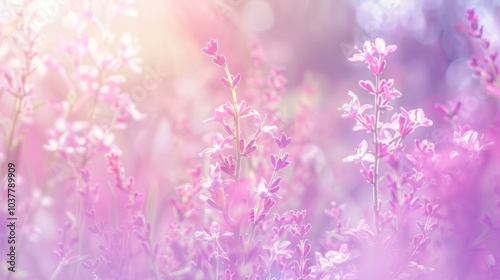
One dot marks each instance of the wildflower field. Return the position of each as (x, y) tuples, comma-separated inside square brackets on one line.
[(249, 139)]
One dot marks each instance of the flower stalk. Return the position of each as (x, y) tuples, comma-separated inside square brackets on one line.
[(236, 122), (376, 208)]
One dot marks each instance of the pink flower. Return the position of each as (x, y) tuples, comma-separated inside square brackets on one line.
[(406, 122), (361, 154), (425, 147), (340, 256), (375, 64), (220, 114), (365, 122), (244, 110), (259, 213), (368, 50), (219, 145), (214, 179), (115, 167), (301, 231), (283, 141), (215, 232), (276, 79), (386, 94), (136, 202), (264, 190), (259, 122), (278, 249), (211, 48), (382, 48), (367, 85), (220, 60), (476, 30), (388, 141), (353, 108), (279, 163), (469, 140), (235, 79)]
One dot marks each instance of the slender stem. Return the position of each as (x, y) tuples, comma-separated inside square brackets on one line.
[(250, 237), (236, 123), (58, 270), (376, 208), (28, 56), (96, 96), (17, 111), (79, 218)]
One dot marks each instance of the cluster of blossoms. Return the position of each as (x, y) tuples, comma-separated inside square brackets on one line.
[(485, 68), (387, 136), (96, 103), (230, 184), (18, 57), (414, 211), (402, 172)]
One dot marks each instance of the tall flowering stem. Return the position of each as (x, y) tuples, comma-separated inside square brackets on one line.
[(237, 232), (232, 85), (231, 82), (376, 208), (387, 136), (484, 68), (376, 66), (18, 77)]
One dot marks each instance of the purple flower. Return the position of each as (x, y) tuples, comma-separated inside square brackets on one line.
[(283, 141), (136, 202), (406, 122), (361, 154), (220, 60), (450, 111), (214, 179), (382, 48), (353, 109), (259, 122), (214, 234), (211, 48), (244, 110), (469, 140), (301, 231), (219, 115), (235, 81), (375, 64), (262, 209), (279, 162), (115, 167), (476, 30), (334, 258), (219, 145), (278, 249), (264, 190), (367, 85)]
